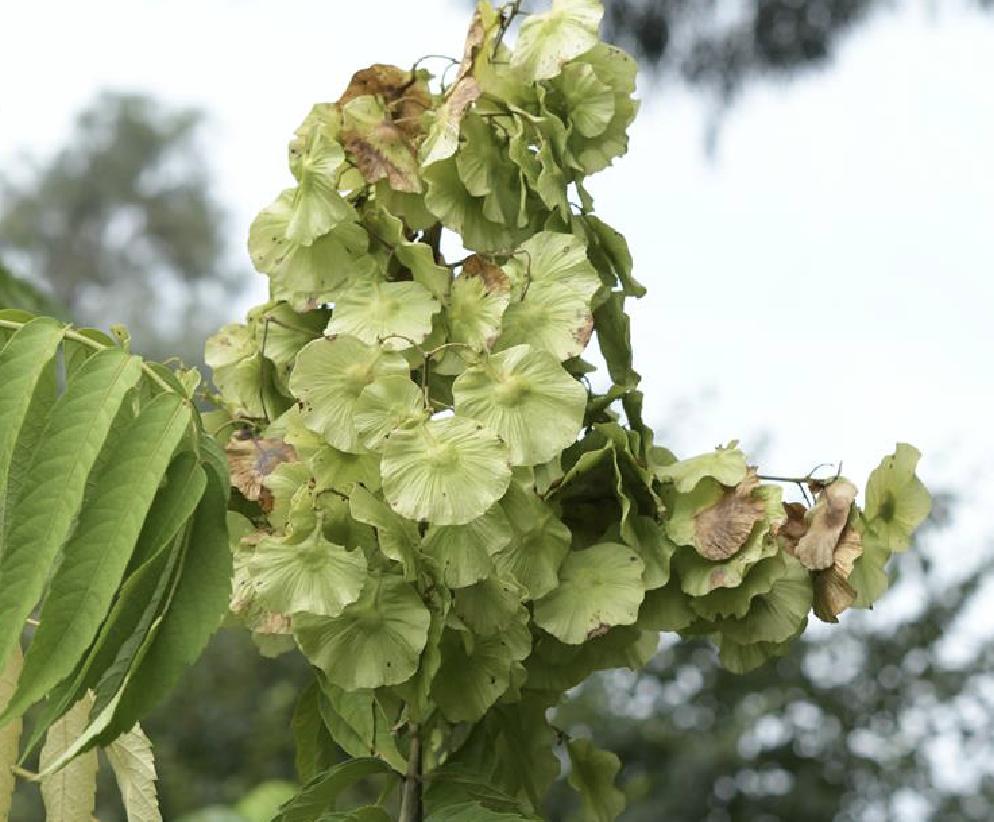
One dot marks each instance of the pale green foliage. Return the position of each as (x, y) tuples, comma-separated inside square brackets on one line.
[(431, 501), (112, 495), (464, 529), (130, 756), (10, 735), (70, 793)]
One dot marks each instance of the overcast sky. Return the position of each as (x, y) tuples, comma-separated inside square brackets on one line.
[(826, 279)]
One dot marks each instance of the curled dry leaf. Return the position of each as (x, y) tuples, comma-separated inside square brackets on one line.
[(832, 592), (826, 520), (475, 38), (251, 459), (495, 280), (793, 528), (404, 93), (721, 530)]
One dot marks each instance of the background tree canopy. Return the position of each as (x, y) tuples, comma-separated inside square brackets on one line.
[(120, 225), (718, 46)]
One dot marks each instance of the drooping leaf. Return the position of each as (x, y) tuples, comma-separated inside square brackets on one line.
[(133, 763), (69, 793), (375, 641), (539, 545), (100, 547), (592, 774), (321, 793), (599, 587), (10, 734), (54, 481)]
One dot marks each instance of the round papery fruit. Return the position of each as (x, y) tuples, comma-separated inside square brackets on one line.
[(384, 405), (314, 576), (448, 471), (526, 396), (397, 315), (376, 641), (328, 378)]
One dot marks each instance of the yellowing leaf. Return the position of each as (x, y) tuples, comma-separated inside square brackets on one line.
[(131, 759), (69, 794), (10, 734)]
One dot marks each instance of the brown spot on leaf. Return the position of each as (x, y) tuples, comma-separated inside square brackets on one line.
[(826, 520), (495, 281), (372, 152), (721, 530), (586, 329), (600, 630), (252, 459)]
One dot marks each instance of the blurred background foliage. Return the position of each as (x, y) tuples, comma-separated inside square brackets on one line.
[(121, 226), (866, 723)]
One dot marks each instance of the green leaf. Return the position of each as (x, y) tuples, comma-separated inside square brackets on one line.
[(539, 545), (527, 398), (199, 602), (141, 599), (320, 793), (592, 775), (776, 615), (23, 361), (328, 378), (726, 465), (548, 41), (70, 793), (317, 207), (462, 552), (313, 576), (306, 275), (897, 502), (375, 641), (54, 481), (398, 315), (475, 672), (599, 587), (448, 471), (98, 551), (489, 606), (10, 734), (398, 537), (359, 725), (315, 749), (552, 317), (475, 812), (133, 763), (615, 340)]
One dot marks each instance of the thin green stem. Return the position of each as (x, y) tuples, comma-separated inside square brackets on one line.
[(75, 336)]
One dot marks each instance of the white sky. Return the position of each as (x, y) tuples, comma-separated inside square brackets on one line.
[(826, 280)]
